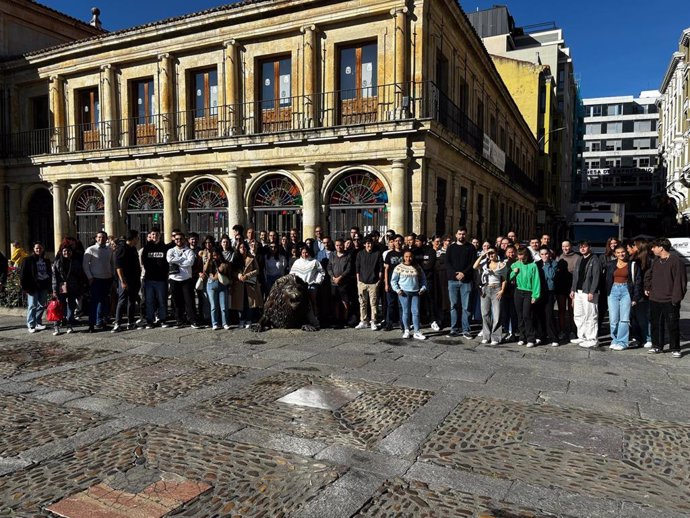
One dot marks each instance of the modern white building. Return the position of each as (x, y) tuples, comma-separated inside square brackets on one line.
[(620, 158)]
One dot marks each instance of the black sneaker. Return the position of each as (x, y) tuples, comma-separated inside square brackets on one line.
[(117, 328), (453, 334)]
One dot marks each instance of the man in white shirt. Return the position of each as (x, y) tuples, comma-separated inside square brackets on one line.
[(181, 260), (99, 269)]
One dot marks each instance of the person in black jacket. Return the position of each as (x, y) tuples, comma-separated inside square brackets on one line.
[(68, 282), (460, 259), (369, 271), (128, 274), (425, 257), (35, 280), (153, 258)]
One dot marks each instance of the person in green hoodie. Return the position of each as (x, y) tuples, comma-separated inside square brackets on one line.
[(525, 274)]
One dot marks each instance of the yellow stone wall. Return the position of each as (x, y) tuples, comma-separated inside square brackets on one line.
[(407, 155)]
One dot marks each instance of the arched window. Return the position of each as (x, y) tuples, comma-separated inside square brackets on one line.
[(207, 209), (90, 214), (145, 208), (278, 205), (358, 199)]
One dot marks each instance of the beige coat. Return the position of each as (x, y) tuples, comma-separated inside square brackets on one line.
[(238, 287)]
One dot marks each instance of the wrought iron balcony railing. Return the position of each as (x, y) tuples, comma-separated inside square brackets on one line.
[(339, 109)]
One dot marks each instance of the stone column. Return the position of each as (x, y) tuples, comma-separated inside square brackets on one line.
[(399, 15), (310, 199), (15, 211), (398, 197), (418, 223), (310, 61), (60, 223), (235, 197), (109, 125), (171, 215), (166, 74), (4, 240), (232, 108), (112, 214), (57, 112)]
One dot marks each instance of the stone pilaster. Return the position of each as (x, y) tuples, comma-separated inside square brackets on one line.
[(398, 198), (235, 198), (112, 214), (400, 23), (4, 240), (310, 199), (109, 123), (57, 113), (310, 67), (60, 222), (170, 212), (166, 74), (418, 223), (232, 108), (16, 215)]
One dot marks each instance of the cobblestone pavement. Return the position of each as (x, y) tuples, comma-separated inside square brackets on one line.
[(337, 424)]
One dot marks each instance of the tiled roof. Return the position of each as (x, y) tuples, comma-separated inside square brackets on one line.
[(220, 8), (84, 24)]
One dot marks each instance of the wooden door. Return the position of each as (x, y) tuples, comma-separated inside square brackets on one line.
[(276, 100), (358, 85), (89, 116)]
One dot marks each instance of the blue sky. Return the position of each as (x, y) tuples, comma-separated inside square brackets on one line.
[(619, 47)]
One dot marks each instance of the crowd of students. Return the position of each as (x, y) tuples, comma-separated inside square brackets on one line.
[(525, 293)]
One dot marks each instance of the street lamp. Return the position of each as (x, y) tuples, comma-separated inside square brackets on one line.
[(545, 138)]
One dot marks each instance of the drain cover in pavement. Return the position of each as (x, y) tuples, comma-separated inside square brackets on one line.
[(316, 396)]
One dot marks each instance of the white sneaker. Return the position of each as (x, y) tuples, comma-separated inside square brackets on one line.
[(537, 341), (617, 347), (406, 333), (247, 325), (576, 341), (226, 327), (494, 342), (435, 326), (589, 344), (529, 344), (418, 336), (56, 332), (70, 330), (361, 325), (374, 327), (485, 341), (32, 330), (215, 328), (521, 342), (555, 344), (40, 327), (648, 345)]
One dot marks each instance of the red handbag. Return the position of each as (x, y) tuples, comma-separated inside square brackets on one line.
[(55, 311)]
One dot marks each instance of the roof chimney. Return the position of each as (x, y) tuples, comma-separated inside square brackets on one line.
[(95, 20)]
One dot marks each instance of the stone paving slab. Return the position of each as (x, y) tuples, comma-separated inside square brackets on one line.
[(360, 423), (140, 379), (244, 480), (567, 449), (31, 356), (28, 423)]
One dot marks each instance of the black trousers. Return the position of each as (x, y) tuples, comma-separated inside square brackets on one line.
[(127, 297), (665, 314), (544, 317), (183, 296), (523, 307)]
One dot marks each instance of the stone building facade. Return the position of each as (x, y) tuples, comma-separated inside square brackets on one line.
[(674, 127), (275, 114)]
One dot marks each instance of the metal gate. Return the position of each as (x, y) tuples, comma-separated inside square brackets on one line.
[(90, 217), (145, 209), (367, 218), (208, 223), (280, 220), (143, 222), (207, 210), (358, 200)]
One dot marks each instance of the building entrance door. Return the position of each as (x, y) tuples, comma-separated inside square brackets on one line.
[(145, 209)]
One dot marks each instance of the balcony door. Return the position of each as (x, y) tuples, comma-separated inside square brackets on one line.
[(358, 93), (205, 104), (144, 110), (276, 100), (88, 118)]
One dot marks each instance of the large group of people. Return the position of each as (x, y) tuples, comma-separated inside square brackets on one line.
[(530, 293)]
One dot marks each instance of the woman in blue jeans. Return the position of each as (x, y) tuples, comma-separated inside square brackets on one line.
[(408, 281), (217, 292), (623, 289), (36, 281)]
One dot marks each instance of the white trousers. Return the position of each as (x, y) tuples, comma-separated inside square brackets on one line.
[(586, 314)]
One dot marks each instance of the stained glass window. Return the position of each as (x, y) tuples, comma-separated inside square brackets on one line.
[(207, 196), (146, 197), (90, 200), (278, 191), (360, 188)]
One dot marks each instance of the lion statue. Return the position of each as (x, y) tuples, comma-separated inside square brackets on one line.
[(288, 307)]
